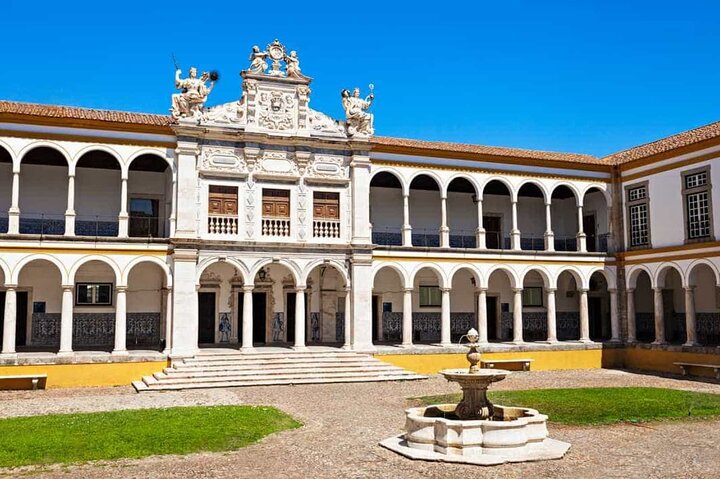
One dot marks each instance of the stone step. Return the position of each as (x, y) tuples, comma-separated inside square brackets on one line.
[(271, 357), (262, 376), (370, 369), (271, 364), (274, 382)]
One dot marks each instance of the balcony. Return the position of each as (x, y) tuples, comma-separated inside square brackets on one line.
[(326, 228), (277, 227), (222, 225)]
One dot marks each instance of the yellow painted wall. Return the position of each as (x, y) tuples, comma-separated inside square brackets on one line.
[(85, 375), (543, 360), (662, 361)]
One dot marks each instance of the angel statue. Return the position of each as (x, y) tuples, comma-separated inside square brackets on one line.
[(293, 65), (358, 120), (258, 64), (194, 92)]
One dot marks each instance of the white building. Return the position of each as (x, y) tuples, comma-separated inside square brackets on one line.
[(137, 236)]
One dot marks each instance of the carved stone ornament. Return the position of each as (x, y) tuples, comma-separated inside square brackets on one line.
[(320, 122), (328, 166), (194, 92), (223, 159), (225, 114), (276, 53), (278, 163), (276, 110), (209, 277), (357, 119)]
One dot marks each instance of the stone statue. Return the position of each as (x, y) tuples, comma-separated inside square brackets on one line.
[(258, 65), (225, 327), (278, 327), (194, 93), (358, 119), (292, 63)]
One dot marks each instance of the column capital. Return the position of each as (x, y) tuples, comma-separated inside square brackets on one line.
[(120, 289), (445, 290), (408, 290), (613, 290), (629, 290), (68, 287), (583, 290), (300, 289), (248, 288), (689, 287), (517, 290), (550, 290), (481, 290), (11, 286), (658, 289), (166, 289)]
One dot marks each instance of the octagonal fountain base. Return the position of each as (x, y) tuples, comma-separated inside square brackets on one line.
[(512, 434)]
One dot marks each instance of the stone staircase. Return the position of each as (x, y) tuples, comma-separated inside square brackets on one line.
[(236, 369)]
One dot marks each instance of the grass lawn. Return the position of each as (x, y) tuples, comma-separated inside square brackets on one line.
[(595, 406), (67, 438)]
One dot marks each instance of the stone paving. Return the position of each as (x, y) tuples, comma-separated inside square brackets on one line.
[(344, 422)]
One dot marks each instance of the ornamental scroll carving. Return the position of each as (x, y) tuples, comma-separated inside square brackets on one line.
[(223, 159), (276, 110)]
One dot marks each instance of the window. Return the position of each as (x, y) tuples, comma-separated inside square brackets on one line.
[(532, 297), (97, 294), (275, 212), (430, 296), (638, 215), (326, 205), (697, 204), (143, 218), (223, 200)]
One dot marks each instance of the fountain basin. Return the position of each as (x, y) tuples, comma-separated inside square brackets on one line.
[(513, 434)]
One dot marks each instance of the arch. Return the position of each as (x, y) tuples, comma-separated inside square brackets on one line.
[(102, 259), (291, 265), (504, 181), (5, 270), (473, 270), (580, 280), (462, 176), (632, 275), (393, 172), (148, 259), (607, 274), (602, 189), (687, 278), (540, 270), (13, 157), (429, 174), (207, 262), (148, 151), (571, 187), (442, 279), (658, 280), (511, 274), (404, 278), (44, 144), (540, 186), (89, 149), (340, 267), (28, 259)]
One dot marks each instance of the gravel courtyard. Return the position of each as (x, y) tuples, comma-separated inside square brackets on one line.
[(343, 424)]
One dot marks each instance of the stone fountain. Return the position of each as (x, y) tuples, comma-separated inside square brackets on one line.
[(475, 431)]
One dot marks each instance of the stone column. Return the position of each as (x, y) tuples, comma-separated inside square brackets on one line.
[(659, 317), (66, 321), (168, 302), (445, 318), (14, 211), (482, 315), (549, 235), (348, 319), (480, 232), (185, 303), (406, 227), (517, 316), (515, 232), (407, 326), (690, 325), (551, 316), (10, 320), (70, 211), (631, 323), (444, 229), (247, 317), (581, 238), (584, 316), (123, 215), (614, 317), (360, 187), (120, 321), (362, 302), (299, 319)]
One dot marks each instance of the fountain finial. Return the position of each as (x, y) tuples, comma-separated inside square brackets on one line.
[(473, 356)]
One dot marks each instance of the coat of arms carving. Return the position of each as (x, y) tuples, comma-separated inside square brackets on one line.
[(276, 110)]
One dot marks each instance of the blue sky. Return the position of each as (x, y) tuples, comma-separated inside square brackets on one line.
[(582, 76)]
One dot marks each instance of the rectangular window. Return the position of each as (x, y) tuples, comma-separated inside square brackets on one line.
[(326, 205), (430, 296), (93, 294), (532, 297), (638, 215), (697, 204), (223, 200), (276, 203)]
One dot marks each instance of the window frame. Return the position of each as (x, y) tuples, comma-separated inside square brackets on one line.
[(431, 304), (686, 192), (526, 290), (628, 207), (94, 303)]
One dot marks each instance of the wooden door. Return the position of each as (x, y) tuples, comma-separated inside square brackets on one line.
[(493, 232)]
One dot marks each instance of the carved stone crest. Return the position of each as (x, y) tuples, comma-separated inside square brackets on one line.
[(276, 110)]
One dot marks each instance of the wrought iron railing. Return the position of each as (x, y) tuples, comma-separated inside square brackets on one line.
[(42, 224), (387, 236)]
